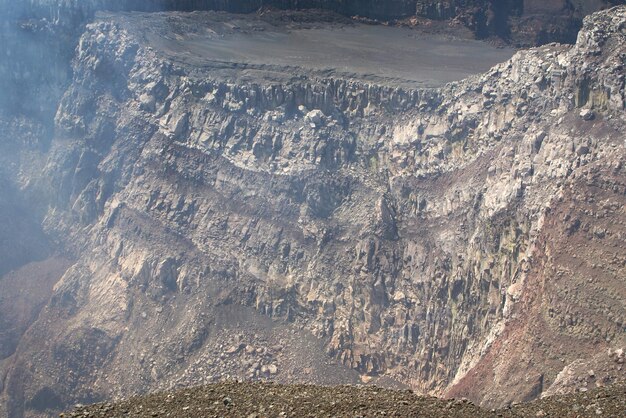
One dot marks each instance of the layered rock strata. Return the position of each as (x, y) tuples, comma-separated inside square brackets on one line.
[(432, 237)]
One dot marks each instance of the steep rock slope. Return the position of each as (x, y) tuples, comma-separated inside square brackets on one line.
[(37, 31), (430, 236)]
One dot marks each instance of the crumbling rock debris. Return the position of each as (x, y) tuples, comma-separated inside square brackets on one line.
[(587, 114), (256, 400)]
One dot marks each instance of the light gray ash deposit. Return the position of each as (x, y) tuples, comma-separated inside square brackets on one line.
[(333, 46)]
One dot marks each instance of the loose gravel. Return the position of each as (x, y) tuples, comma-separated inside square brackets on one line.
[(257, 400)]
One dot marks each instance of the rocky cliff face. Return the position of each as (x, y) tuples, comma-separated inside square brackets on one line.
[(36, 31), (433, 238)]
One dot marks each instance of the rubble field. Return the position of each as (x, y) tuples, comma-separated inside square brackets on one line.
[(271, 400)]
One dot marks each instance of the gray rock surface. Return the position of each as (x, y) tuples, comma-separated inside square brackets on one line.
[(416, 235)]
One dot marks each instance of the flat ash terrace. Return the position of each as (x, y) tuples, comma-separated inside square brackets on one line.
[(283, 46)]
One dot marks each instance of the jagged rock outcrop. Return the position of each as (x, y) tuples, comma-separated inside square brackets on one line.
[(36, 31), (431, 236)]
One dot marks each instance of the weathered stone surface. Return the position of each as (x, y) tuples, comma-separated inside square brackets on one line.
[(432, 237)]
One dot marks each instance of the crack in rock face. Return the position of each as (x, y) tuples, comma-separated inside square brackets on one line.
[(227, 213)]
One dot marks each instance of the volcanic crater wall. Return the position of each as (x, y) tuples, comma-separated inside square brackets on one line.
[(484, 17), (37, 31), (408, 230)]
